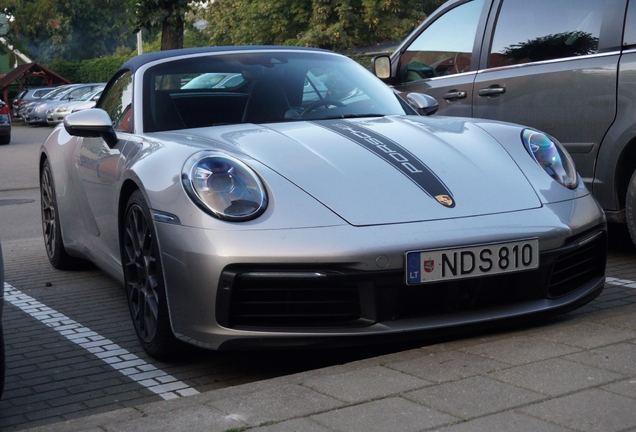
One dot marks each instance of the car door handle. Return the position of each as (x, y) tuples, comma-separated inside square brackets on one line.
[(492, 91), (454, 94)]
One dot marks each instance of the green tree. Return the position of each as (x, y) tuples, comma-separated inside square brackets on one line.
[(334, 24), (73, 30), (168, 16)]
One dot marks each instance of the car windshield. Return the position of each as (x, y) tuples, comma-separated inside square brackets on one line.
[(89, 95), (262, 87), (54, 94)]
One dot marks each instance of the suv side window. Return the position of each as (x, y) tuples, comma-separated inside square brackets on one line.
[(117, 102), (571, 29), (445, 47)]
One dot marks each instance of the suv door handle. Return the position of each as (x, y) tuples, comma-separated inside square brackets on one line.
[(492, 91), (454, 94)]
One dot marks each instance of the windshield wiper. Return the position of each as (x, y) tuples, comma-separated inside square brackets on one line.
[(346, 116)]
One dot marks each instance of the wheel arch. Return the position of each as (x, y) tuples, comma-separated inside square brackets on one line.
[(127, 189), (43, 158)]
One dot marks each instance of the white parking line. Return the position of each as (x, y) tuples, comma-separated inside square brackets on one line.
[(623, 282), (135, 368)]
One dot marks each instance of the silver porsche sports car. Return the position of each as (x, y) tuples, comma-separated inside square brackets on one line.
[(306, 204)]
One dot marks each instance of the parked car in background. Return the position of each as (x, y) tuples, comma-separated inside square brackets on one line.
[(267, 215), (5, 123), (28, 95), (27, 107), (36, 114), (566, 67), (214, 80), (57, 113)]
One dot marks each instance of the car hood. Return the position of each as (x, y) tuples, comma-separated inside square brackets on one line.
[(387, 170)]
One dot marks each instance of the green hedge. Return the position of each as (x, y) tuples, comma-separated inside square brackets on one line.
[(89, 71)]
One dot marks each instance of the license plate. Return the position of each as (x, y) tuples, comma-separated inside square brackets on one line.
[(472, 261)]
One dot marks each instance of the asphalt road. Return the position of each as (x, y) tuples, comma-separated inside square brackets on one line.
[(71, 347)]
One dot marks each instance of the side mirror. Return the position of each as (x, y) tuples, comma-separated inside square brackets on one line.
[(91, 124), (424, 104), (381, 66)]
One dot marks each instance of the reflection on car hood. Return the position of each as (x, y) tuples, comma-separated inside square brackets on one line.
[(388, 170)]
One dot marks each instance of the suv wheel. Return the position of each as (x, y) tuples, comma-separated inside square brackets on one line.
[(630, 207)]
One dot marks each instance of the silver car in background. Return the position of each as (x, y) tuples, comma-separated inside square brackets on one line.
[(26, 96), (267, 215), (57, 113), (37, 112)]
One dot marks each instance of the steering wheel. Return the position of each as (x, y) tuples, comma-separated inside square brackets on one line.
[(322, 102)]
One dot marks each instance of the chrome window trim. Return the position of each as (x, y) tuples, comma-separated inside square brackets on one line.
[(442, 77), (546, 62)]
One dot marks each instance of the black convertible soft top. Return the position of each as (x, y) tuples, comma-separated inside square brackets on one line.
[(136, 62)]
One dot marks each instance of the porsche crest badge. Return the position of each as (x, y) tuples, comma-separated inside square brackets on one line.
[(444, 200)]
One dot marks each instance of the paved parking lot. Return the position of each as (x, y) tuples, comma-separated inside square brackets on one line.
[(575, 372), (72, 351)]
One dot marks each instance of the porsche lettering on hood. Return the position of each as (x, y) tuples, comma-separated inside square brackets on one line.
[(342, 164), (396, 155)]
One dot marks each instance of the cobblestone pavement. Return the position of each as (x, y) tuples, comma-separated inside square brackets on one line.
[(572, 373), (51, 379)]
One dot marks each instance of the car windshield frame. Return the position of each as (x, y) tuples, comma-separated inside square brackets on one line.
[(276, 86)]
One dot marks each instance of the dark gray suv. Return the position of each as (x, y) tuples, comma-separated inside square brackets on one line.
[(566, 67)]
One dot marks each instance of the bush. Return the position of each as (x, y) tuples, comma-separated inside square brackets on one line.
[(89, 71)]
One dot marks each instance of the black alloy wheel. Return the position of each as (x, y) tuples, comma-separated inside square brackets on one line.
[(144, 281)]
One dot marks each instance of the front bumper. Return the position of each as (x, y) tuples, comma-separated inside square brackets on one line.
[(53, 118), (35, 117), (234, 289)]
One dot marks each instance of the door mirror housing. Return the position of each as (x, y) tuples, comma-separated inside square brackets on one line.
[(424, 104), (91, 123), (381, 67)]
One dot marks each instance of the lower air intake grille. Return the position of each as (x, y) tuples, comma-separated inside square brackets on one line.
[(287, 299), (292, 302), (578, 266)]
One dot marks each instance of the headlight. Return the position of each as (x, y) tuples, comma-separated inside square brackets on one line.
[(62, 109), (224, 187), (552, 157)]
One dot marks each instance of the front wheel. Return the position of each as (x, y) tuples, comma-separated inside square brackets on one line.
[(143, 278)]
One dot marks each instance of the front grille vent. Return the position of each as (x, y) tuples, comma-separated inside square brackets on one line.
[(293, 303), (577, 267)]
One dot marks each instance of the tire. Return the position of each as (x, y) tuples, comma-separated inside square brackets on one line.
[(143, 278), (5, 139), (51, 229), (630, 207)]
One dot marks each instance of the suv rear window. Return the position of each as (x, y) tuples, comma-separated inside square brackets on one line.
[(538, 30)]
